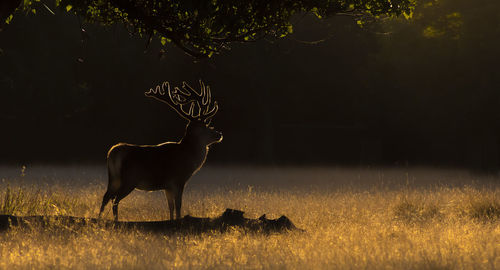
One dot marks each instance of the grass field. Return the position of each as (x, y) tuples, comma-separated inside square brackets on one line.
[(354, 219)]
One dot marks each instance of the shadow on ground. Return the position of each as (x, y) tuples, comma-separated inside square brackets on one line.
[(187, 225)]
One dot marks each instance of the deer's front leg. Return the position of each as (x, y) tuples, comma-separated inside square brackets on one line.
[(178, 201), (170, 200)]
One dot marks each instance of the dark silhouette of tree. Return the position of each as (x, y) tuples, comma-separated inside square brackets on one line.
[(203, 28)]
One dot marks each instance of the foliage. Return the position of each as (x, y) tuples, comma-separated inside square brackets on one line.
[(410, 212), (202, 28), (15, 201)]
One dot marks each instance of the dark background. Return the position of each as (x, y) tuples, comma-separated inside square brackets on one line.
[(395, 93)]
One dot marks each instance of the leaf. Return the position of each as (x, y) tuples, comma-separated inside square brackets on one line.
[(408, 15), (68, 8), (163, 41), (9, 19)]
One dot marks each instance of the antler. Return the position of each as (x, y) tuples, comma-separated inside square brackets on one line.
[(200, 106)]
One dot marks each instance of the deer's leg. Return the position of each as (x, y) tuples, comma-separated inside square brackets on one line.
[(178, 201), (105, 200), (170, 200), (115, 209), (121, 194)]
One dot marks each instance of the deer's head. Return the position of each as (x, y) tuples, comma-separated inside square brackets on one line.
[(196, 107)]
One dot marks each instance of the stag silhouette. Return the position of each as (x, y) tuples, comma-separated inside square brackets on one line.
[(166, 166)]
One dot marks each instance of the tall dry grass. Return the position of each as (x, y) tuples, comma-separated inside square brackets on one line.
[(354, 225)]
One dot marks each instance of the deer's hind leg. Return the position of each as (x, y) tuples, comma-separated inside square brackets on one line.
[(105, 199), (113, 186), (121, 193)]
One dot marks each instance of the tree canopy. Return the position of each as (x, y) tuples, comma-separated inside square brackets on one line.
[(203, 28)]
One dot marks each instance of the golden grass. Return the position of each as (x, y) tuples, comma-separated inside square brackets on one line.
[(348, 227)]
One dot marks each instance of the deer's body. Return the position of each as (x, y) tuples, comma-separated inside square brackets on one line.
[(137, 165), (166, 166)]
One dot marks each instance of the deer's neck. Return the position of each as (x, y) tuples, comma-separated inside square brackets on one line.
[(194, 145), (195, 150)]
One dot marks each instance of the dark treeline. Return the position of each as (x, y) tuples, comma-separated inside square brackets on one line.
[(420, 92)]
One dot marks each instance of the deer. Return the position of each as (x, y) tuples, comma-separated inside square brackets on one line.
[(169, 165)]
